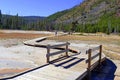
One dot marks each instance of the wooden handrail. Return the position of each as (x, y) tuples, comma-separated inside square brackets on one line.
[(58, 45), (95, 48), (90, 58), (58, 52), (55, 53)]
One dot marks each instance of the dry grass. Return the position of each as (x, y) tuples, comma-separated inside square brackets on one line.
[(86, 38), (115, 49), (21, 35), (112, 55), (111, 39), (110, 51)]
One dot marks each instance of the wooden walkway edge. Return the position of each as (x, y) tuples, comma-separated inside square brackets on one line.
[(68, 67)]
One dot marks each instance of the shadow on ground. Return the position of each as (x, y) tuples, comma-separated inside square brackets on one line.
[(105, 72), (67, 60)]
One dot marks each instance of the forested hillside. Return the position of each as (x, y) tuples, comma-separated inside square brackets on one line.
[(21, 22), (89, 16), (92, 16)]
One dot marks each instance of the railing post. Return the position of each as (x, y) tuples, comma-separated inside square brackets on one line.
[(67, 48), (48, 52), (89, 64), (100, 56)]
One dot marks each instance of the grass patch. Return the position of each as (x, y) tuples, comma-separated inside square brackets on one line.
[(112, 55), (113, 49)]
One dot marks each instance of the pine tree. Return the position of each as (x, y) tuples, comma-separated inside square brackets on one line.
[(17, 22), (0, 19)]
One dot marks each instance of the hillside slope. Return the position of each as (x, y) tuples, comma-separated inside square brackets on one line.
[(90, 16), (92, 13), (88, 10)]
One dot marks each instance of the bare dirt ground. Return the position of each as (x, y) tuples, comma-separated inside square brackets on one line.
[(16, 57), (4, 34)]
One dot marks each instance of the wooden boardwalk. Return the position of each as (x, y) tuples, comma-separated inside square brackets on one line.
[(74, 67), (67, 69)]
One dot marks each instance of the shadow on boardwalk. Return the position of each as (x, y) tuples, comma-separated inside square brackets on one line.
[(106, 72), (69, 62), (77, 60), (24, 72)]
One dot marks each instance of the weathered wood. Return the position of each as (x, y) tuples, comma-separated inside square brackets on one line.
[(93, 57), (96, 48), (55, 53), (59, 45), (58, 52), (48, 52), (70, 68), (94, 65), (29, 42), (90, 58), (41, 39), (100, 56), (67, 48), (89, 63)]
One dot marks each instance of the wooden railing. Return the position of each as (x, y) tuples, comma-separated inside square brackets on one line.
[(58, 52), (97, 53)]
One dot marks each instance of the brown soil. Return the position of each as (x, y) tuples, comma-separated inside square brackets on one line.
[(3, 71), (11, 71), (21, 35)]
